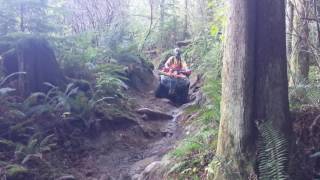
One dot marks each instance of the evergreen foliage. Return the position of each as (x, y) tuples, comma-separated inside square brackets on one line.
[(273, 154)]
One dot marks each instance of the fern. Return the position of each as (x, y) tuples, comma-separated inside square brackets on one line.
[(272, 153), (108, 85), (5, 91), (47, 143), (6, 79), (36, 146)]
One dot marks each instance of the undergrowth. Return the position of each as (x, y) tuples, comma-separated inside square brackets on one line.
[(307, 92), (194, 154), (61, 118)]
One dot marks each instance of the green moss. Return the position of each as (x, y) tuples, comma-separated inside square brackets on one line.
[(17, 172), (314, 74), (193, 155), (114, 111), (186, 148), (13, 170), (192, 109)]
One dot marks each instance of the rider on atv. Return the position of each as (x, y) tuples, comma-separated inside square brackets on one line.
[(174, 82), (175, 66)]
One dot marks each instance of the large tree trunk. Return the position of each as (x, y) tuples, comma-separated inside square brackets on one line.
[(271, 81), (236, 135), (255, 87), (299, 63)]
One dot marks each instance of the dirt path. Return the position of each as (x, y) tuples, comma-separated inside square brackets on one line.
[(125, 153)]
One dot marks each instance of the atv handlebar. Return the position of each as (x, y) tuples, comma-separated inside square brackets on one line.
[(180, 73)]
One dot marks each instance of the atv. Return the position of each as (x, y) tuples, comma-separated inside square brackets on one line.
[(174, 86)]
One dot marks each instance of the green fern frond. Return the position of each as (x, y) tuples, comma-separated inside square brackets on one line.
[(32, 146), (6, 79), (272, 153), (47, 143)]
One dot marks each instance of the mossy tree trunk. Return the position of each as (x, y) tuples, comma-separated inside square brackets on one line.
[(255, 86), (236, 125), (290, 32)]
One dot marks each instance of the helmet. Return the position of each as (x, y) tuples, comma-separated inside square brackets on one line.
[(177, 52)]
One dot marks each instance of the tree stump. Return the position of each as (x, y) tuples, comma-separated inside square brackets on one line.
[(36, 58)]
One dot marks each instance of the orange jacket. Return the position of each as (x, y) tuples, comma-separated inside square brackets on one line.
[(174, 63)]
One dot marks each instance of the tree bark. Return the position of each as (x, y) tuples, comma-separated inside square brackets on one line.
[(186, 20), (299, 63), (151, 3), (254, 83), (22, 9), (271, 81), (315, 10), (290, 11), (236, 133), (161, 26), (289, 20)]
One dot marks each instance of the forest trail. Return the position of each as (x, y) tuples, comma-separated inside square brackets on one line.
[(126, 152)]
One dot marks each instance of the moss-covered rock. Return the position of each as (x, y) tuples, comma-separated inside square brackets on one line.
[(114, 115), (139, 71), (112, 112)]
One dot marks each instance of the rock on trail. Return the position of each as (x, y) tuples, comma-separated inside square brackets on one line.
[(154, 114)]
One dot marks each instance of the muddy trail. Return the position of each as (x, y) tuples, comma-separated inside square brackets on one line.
[(125, 153)]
